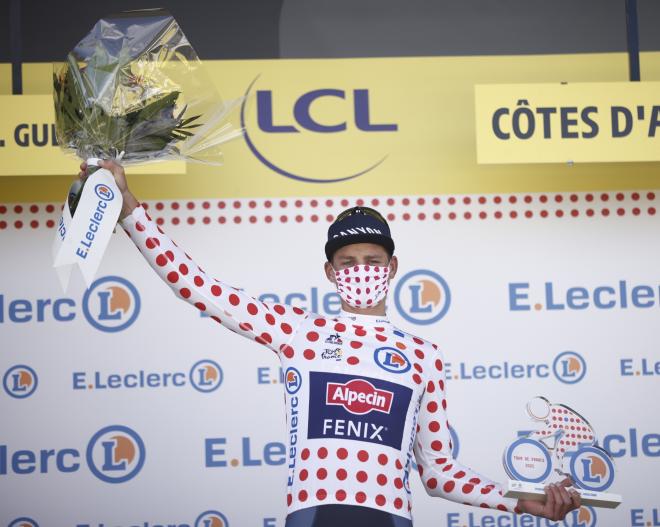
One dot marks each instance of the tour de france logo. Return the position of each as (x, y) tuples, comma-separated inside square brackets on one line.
[(115, 454), (20, 381), (422, 297), (206, 376), (211, 519), (111, 304)]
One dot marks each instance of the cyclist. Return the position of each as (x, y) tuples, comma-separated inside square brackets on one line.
[(362, 396)]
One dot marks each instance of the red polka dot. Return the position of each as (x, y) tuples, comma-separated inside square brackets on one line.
[(234, 300), (502, 508), (200, 306), (432, 483), (360, 497), (321, 494), (319, 322), (342, 474), (303, 475), (356, 344), (199, 281), (322, 452), (216, 290), (312, 336), (287, 351), (417, 378), (302, 495), (448, 486), (321, 473), (432, 406), (289, 499), (436, 445), (340, 495), (252, 309), (460, 474), (430, 387), (467, 488), (309, 354), (398, 482), (380, 500), (361, 476), (342, 453), (381, 479), (382, 459), (305, 454), (161, 260), (173, 277), (398, 503), (185, 292), (434, 426), (340, 327), (279, 309), (363, 455), (286, 328), (353, 360)]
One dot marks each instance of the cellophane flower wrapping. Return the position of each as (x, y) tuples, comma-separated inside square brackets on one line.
[(135, 85)]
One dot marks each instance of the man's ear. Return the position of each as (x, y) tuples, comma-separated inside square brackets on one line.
[(394, 266), (329, 272)]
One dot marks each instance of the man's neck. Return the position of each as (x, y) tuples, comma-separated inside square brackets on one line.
[(376, 311)]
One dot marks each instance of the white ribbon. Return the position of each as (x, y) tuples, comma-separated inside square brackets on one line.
[(82, 239)]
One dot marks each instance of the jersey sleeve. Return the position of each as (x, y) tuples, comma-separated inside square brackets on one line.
[(441, 474), (270, 324)]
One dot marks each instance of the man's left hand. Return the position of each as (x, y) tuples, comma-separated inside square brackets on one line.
[(559, 501)]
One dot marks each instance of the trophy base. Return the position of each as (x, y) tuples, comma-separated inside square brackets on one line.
[(535, 491)]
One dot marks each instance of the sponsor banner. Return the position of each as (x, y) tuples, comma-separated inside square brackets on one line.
[(568, 122), (344, 127), (120, 392)]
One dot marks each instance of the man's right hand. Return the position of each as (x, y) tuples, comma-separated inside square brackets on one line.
[(129, 201)]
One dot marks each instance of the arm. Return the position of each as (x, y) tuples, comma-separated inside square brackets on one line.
[(441, 474), (272, 325)]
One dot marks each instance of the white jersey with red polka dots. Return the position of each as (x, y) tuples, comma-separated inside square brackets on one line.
[(363, 398)]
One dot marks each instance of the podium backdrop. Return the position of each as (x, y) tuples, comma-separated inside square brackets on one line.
[(122, 406)]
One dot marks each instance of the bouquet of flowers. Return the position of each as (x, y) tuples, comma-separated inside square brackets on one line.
[(132, 89)]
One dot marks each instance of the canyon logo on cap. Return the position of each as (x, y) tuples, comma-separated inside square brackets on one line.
[(358, 225)]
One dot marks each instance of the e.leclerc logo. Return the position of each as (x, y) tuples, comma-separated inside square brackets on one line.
[(204, 376), (585, 516), (20, 381), (23, 522), (568, 367), (110, 304), (104, 192), (524, 296), (422, 297), (391, 360), (210, 518), (114, 454), (288, 122)]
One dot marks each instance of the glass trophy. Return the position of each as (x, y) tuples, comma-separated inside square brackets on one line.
[(564, 445)]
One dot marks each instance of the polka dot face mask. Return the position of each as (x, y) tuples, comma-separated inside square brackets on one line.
[(362, 286)]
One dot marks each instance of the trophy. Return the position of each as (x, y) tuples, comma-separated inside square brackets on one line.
[(565, 446), (133, 90)]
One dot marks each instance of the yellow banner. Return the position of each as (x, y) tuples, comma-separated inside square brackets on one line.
[(355, 127), (560, 123), (28, 146)]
